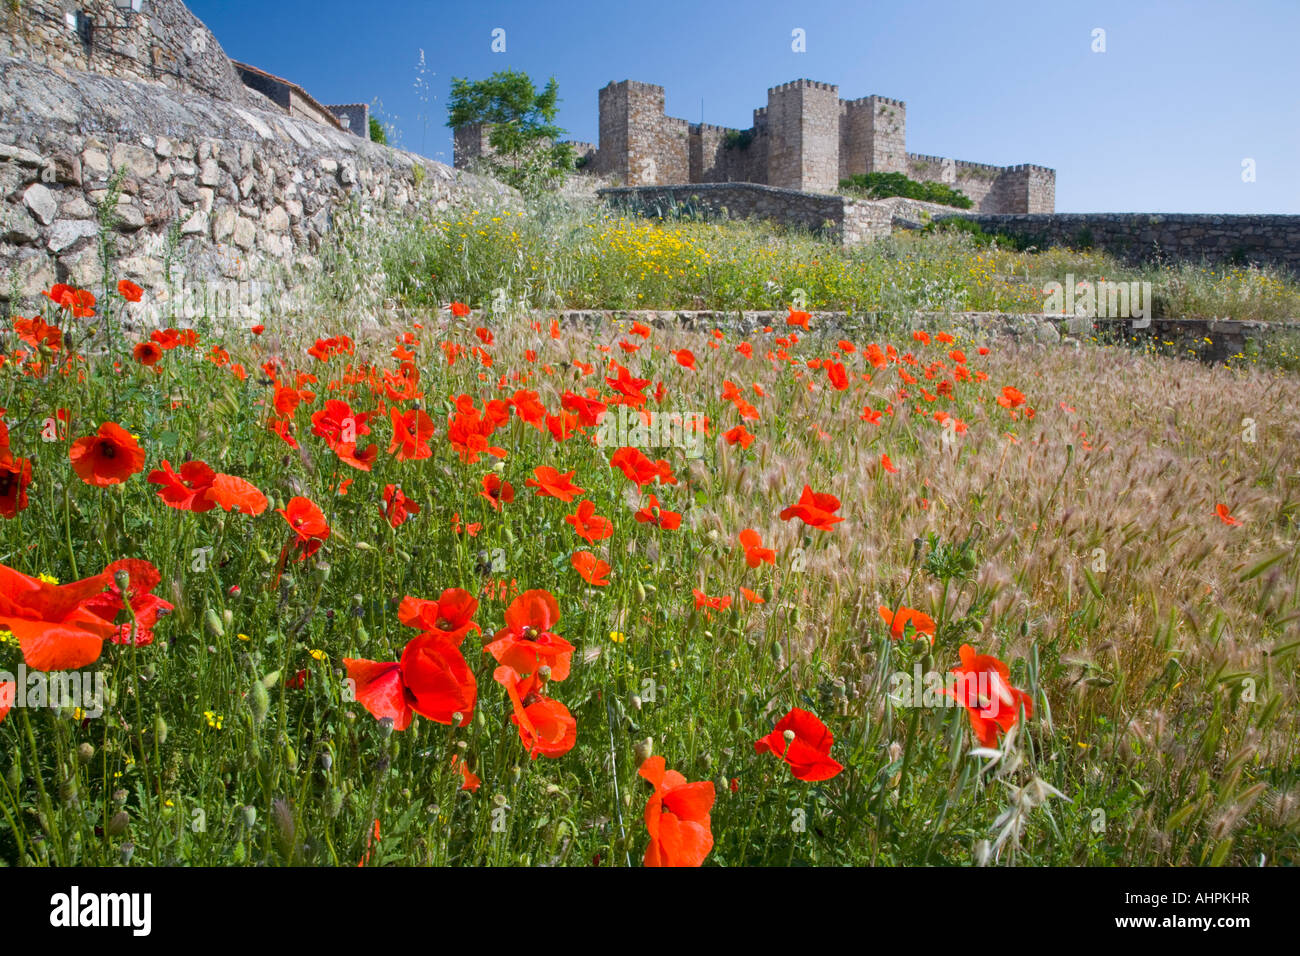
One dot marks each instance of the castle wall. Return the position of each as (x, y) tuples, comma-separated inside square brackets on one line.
[(1142, 237)]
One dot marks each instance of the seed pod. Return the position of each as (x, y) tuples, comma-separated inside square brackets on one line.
[(118, 823), (86, 753), (643, 750)]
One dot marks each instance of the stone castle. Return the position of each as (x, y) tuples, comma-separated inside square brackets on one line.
[(806, 138)]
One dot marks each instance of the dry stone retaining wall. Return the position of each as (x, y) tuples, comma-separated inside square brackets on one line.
[(235, 190)]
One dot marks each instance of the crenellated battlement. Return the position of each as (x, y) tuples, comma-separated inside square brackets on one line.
[(806, 137)]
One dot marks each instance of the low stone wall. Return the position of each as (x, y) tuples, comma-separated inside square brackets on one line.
[(816, 212), (1143, 237), (1208, 340), (848, 220), (230, 192)]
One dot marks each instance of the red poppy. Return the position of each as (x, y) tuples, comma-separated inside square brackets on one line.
[(412, 432), (432, 680), (551, 484), (589, 525), (588, 410), (635, 465), (685, 358), (146, 607), (676, 817), (129, 291), (702, 600), (751, 596), (54, 630), (308, 524), (545, 725), (593, 570), (888, 465), (397, 508), (450, 617), (527, 641), (740, 435), (652, 513), (1225, 516), (1011, 397), (147, 353), (8, 695), (755, 553), (108, 457), (459, 310), (803, 742), (984, 688), (497, 491), (839, 378), (15, 476), (797, 318), (236, 494), (898, 622), (469, 780), (815, 509), (438, 678), (77, 301), (186, 490)]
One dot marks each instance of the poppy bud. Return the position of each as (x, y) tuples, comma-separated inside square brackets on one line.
[(326, 761), (643, 750), (767, 591), (123, 581), (364, 546), (334, 803), (213, 623), (266, 558), (499, 467), (15, 776), (86, 753), (119, 797), (385, 725), (793, 616), (733, 720), (259, 701), (125, 852), (636, 702), (159, 729), (640, 591), (720, 784)]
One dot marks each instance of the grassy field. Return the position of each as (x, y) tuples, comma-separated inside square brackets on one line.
[(1104, 540), (569, 254)]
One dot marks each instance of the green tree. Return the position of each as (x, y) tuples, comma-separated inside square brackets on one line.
[(377, 133), (522, 133)]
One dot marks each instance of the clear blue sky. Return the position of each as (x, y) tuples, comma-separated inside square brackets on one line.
[(1161, 121)]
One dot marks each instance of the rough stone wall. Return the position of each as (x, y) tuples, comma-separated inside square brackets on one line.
[(1140, 237), (164, 43), (804, 136), (709, 157), (243, 191), (823, 214)]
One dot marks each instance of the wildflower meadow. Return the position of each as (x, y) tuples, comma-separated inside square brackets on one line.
[(467, 586)]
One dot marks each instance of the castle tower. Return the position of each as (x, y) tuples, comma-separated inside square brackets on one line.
[(639, 144), (803, 121), (873, 134)]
